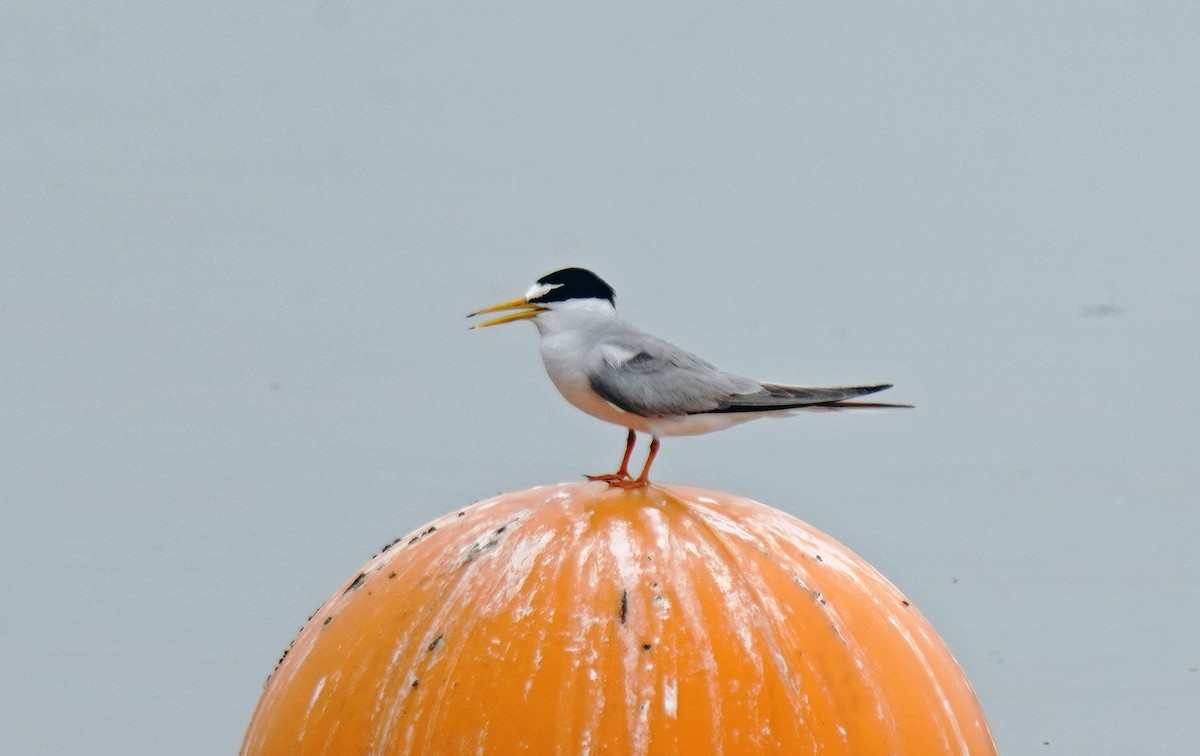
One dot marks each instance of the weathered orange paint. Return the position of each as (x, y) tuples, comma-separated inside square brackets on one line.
[(583, 619)]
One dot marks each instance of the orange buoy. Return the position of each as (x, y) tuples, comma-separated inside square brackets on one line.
[(582, 619)]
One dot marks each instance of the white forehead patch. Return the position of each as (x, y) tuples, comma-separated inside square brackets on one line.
[(540, 290)]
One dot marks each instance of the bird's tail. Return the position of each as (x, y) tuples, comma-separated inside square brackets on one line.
[(852, 405), (775, 396)]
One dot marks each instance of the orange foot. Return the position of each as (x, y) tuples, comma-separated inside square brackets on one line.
[(611, 477), (628, 483)]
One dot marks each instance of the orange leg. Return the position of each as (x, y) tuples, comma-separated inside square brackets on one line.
[(623, 473), (644, 478)]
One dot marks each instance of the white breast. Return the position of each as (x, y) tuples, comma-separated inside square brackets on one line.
[(567, 359)]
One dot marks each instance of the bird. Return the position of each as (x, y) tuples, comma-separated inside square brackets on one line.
[(614, 371)]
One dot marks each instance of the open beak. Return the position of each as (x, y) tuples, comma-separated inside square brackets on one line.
[(524, 308)]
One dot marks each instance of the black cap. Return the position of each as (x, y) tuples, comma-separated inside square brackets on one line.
[(574, 283)]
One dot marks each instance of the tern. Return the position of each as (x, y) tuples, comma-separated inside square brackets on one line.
[(616, 372)]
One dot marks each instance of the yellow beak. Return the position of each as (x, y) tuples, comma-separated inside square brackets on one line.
[(526, 311)]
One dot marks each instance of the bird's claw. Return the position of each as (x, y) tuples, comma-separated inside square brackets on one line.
[(620, 479), (629, 483), (610, 478)]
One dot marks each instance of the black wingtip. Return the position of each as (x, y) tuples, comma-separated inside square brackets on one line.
[(864, 390), (867, 405)]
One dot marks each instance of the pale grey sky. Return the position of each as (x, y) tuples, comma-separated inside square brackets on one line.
[(237, 242)]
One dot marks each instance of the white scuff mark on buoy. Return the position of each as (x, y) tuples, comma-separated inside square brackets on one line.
[(639, 737), (316, 694), (625, 566), (514, 574), (620, 547), (690, 613), (661, 529), (729, 526), (311, 703), (741, 609), (670, 696), (955, 730)]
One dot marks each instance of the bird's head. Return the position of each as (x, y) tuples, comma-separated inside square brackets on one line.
[(555, 296)]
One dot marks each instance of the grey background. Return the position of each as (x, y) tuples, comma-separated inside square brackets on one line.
[(237, 242)]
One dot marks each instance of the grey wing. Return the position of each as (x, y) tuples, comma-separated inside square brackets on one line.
[(653, 378)]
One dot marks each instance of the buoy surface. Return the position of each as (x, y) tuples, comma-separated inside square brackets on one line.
[(581, 619)]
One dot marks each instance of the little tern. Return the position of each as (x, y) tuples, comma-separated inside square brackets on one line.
[(611, 370)]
